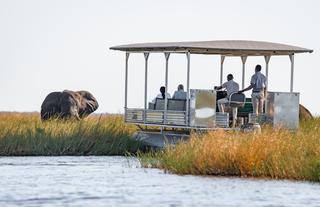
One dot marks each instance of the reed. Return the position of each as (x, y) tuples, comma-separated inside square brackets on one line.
[(275, 153), (24, 134)]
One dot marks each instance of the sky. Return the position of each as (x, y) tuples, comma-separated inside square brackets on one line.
[(53, 45)]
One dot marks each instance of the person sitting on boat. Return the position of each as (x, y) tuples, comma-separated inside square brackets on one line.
[(232, 87), (180, 93), (162, 94)]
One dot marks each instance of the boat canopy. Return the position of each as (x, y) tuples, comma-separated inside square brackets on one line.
[(221, 47)]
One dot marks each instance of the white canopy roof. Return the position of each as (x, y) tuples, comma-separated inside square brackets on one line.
[(222, 47)]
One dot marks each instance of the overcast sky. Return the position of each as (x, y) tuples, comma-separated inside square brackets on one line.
[(54, 45)]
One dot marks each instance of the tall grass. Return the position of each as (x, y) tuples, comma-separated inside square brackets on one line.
[(275, 153), (25, 134)]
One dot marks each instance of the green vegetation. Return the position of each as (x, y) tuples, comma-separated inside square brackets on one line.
[(24, 134), (275, 153)]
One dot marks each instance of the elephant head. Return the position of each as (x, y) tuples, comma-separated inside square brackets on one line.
[(87, 103), (68, 104)]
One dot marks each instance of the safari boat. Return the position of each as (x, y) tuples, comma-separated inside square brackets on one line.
[(169, 120)]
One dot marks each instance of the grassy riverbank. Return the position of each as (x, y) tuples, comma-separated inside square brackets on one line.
[(24, 134), (278, 154), (275, 153)]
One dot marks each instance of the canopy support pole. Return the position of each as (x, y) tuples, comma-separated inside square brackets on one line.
[(221, 68), (244, 59), (188, 88), (292, 71), (166, 55), (146, 56), (267, 59), (126, 86)]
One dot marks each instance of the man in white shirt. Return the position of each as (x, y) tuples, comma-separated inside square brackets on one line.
[(162, 94), (231, 86), (258, 85)]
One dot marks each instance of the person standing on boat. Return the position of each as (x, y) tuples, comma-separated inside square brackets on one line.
[(162, 94), (258, 85), (231, 86)]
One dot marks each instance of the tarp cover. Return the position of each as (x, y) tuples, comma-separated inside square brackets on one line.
[(223, 47)]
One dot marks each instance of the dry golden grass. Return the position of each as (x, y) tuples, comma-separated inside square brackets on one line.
[(275, 153), (25, 134)]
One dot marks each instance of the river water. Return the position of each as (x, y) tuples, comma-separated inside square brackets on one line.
[(120, 181)]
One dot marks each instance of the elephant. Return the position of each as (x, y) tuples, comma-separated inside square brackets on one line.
[(304, 113), (68, 105)]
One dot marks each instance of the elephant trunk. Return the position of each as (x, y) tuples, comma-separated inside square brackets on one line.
[(92, 106)]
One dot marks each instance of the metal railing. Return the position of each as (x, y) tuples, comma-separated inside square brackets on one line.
[(173, 118), (141, 116)]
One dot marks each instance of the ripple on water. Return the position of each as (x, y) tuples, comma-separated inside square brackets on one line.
[(119, 181)]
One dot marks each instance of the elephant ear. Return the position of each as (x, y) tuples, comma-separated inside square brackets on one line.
[(77, 99), (69, 94), (71, 100)]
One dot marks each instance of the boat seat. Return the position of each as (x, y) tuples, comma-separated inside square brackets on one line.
[(236, 100), (151, 105), (177, 104), (173, 104), (159, 105)]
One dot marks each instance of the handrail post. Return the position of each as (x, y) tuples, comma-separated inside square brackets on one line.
[(166, 55), (267, 59), (126, 86), (244, 59), (188, 88), (146, 56), (221, 68), (292, 71)]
